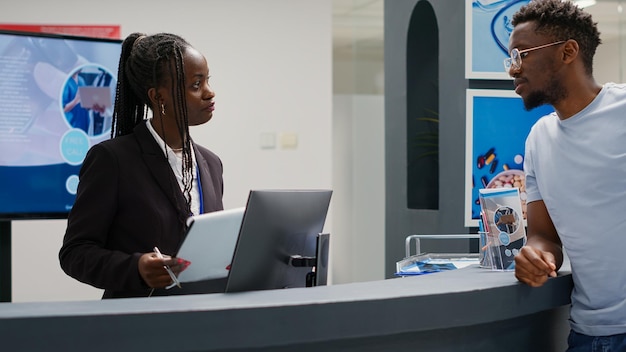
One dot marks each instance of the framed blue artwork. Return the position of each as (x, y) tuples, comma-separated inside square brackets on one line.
[(497, 125), (487, 30)]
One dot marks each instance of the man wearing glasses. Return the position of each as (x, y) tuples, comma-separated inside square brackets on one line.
[(575, 169)]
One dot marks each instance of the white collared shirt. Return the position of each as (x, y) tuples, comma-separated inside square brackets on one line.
[(176, 163)]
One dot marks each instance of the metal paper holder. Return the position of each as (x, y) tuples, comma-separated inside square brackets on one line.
[(420, 256), (417, 238)]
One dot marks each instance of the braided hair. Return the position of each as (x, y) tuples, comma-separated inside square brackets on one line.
[(563, 20), (149, 61)]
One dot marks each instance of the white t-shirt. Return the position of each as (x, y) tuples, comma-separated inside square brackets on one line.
[(578, 168)]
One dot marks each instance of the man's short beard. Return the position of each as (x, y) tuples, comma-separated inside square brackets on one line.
[(534, 100), (551, 95)]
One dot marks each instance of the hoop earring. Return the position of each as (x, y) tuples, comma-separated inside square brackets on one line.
[(163, 109)]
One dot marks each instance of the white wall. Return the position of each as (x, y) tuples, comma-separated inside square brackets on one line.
[(271, 68), (607, 63), (359, 182), (360, 76)]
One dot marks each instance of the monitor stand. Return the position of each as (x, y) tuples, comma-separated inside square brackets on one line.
[(5, 261), (318, 276)]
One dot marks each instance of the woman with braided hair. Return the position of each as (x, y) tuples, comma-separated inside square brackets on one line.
[(137, 189)]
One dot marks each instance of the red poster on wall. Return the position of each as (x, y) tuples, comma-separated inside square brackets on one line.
[(96, 31)]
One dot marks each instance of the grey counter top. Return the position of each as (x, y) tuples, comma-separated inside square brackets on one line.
[(455, 299)]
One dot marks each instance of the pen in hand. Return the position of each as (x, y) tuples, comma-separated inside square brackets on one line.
[(169, 270)]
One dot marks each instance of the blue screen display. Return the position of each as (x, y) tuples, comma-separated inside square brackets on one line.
[(56, 101)]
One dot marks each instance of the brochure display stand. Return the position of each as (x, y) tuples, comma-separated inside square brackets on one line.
[(425, 263)]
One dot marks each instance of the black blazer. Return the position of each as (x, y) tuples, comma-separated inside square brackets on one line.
[(128, 202)]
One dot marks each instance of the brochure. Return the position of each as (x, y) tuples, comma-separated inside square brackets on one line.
[(504, 225)]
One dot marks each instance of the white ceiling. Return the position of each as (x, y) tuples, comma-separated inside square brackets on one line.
[(358, 25), (358, 28)]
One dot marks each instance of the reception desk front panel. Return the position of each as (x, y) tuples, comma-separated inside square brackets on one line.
[(470, 309)]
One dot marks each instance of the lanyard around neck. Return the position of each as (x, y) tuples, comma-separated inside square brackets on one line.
[(201, 200)]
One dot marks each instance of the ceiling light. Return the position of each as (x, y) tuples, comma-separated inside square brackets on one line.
[(584, 3)]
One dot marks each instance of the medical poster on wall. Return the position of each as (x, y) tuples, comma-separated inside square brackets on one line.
[(487, 30), (57, 101), (496, 129)]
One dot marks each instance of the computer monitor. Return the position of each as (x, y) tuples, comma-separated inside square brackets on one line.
[(279, 229)]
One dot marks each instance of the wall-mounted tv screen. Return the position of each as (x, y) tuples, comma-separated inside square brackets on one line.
[(56, 100)]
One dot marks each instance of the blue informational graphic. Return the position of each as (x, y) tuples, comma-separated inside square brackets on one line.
[(71, 184), (74, 145), (56, 101), (497, 127), (488, 28), (505, 239)]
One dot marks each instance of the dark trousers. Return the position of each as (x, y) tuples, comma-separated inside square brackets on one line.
[(582, 343)]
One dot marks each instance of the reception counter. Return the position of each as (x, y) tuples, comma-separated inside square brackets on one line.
[(470, 309)]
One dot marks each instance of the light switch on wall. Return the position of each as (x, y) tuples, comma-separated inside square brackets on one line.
[(289, 140), (267, 140)]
